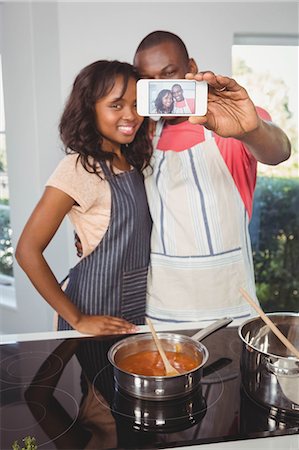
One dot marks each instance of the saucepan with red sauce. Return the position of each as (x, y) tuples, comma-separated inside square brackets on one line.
[(139, 370)]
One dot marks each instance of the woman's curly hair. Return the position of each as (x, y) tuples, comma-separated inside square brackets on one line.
[(78, 128)]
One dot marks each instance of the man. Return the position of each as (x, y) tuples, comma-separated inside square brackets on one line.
[(200, 191), (182, 104)]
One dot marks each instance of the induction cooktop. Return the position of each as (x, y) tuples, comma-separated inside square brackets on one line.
[(63, 393)]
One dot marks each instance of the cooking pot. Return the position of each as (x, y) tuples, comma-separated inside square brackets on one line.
[(270, 374), (162, 387)]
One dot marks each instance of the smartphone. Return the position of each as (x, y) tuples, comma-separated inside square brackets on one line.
[(171, 97)]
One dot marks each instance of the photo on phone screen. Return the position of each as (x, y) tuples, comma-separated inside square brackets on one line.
[(172, 97)]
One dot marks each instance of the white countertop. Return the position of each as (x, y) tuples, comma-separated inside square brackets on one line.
[(290, 442), (22, 337)]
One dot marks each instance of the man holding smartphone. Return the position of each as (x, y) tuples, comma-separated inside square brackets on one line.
[(200, 191)]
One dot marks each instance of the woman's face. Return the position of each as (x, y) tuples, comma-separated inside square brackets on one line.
[(116, 115), (167, 101)]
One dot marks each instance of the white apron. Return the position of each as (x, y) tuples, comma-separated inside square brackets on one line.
[(182, 110), (200, 245)]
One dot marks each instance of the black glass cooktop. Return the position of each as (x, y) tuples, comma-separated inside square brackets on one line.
[(62, 393)]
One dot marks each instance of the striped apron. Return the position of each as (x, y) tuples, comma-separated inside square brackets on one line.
[(112, 279), (200, 245)]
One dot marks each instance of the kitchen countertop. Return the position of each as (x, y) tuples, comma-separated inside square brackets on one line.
[(290, 442)]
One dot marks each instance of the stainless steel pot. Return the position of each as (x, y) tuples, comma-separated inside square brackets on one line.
[(162, 387), (270, 374)]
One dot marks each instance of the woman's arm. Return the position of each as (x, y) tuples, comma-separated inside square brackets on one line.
[(37, 234)]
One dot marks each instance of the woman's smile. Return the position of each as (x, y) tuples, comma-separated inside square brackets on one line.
[(128, 130)]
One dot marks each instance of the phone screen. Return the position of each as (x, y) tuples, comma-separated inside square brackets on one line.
[(172, 97)]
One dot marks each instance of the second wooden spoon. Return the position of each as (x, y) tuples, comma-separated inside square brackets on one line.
[(270, 324)]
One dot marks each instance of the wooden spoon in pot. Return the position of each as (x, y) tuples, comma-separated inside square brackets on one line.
[(270, 324), (169, 369)]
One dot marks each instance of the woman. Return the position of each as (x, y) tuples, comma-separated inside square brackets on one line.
[(100, 187), (164, 102)]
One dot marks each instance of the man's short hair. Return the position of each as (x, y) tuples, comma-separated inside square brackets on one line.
[(177, 85), (159, 37)]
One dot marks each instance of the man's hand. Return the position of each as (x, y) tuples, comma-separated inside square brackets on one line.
[(230, 113)]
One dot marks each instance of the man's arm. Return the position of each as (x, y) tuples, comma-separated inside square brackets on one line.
[(231, 113), (268, 143)]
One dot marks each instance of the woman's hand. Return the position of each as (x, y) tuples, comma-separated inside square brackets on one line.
[(103, 325)]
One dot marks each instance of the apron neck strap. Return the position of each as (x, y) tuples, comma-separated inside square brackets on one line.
[(208, 134), (158, 131)]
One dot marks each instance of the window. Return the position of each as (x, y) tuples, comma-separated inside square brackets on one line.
[(7, 291), (267, 67)]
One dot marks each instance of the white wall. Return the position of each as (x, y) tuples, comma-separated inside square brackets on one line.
[(32, 97), (44, 45)]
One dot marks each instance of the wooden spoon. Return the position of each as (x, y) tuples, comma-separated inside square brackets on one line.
[(169, 369), (270, 324)]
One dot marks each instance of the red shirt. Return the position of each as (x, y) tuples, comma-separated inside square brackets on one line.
[(240, 162)]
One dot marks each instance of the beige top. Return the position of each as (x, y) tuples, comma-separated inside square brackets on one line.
[(91, 215)]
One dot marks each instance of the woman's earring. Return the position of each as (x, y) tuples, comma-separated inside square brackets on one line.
[(127, 145)]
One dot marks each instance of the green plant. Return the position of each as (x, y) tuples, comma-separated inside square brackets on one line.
[(29, 444), (275, 240), (6, 250)]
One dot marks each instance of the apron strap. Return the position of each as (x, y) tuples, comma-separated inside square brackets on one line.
[(158, 131), (207, 133)]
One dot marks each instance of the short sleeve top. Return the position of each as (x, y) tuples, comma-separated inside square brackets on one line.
[(90, 216)]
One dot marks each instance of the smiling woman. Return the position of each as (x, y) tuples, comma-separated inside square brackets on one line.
[(99, 185)]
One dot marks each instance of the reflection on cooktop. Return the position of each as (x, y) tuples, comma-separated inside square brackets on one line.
[(160, 416), (19, 409), (23, 366), (63, 393), (165, 416)]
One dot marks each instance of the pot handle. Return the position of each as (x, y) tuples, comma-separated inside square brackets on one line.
[(221, 323)]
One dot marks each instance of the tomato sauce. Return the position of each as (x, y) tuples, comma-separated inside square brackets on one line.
[(150, 363)]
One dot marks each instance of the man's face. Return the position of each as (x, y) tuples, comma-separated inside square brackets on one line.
[(161, 61), (177, 93)]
